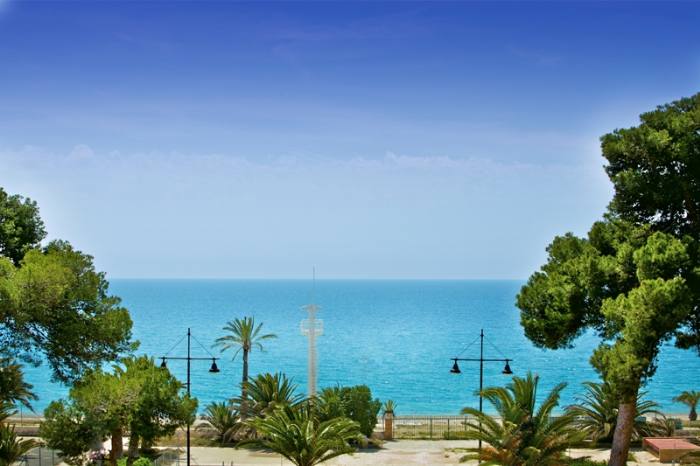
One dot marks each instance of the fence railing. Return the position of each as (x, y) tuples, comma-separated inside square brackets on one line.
[(430, 427), (40, 456)]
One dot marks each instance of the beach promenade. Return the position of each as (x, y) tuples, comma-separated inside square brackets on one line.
[(401, 452)]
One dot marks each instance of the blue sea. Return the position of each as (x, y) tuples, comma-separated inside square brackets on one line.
[(397, 337)]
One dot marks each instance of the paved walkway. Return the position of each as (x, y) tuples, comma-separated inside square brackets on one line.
[(402, 452)]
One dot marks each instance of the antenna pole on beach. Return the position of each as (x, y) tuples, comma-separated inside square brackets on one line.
[(312, 327)]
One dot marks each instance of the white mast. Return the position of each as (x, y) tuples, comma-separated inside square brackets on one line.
[(312, 327)]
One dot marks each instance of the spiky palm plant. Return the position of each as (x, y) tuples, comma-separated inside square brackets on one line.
[(243, 335), (12, 448), (690, 399), (596, 413), (389, 407), (13, 388), (522, 434), (223, 418), (297, 434), (329, 403), (268, 391)]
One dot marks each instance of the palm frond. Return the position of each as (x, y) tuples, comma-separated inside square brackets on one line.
[(596, 412), (297, 434), (12, 448), (223, 418), (266, 392), (242, 335), (523, 434)]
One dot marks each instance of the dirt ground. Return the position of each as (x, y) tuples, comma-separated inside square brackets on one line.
[(401, 452)]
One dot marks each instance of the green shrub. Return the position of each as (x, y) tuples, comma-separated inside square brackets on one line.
[(361, 408), (66, 430), (137, 462), (355, 403), (586, 462), (456, 435)]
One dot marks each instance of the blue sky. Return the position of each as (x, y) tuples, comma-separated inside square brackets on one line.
[(372, 140)]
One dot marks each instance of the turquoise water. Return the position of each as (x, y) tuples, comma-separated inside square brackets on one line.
[(395, 336)]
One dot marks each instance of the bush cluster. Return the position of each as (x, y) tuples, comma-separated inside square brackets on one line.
[(355, 403)]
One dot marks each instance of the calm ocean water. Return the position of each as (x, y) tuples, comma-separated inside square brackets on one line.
[(395, 336)]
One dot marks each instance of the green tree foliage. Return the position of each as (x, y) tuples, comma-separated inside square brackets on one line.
[(139, 462), (596, 413), (67, 430), (522, 434), (53, 304), (630, 284), (223, 418), (298, 435), (21, 228), (634, 279), (12, 448), (690, 399), (13, 388), (138, 397), (355, 403), (654, 168), (242, 336), (160, 408)]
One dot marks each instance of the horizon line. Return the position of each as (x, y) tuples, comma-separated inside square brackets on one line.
[(321, 279)]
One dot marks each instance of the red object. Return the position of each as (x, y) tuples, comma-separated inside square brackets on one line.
[(669, 449)]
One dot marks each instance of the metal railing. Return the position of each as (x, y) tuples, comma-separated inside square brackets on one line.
[(430, 427), (40, 456)]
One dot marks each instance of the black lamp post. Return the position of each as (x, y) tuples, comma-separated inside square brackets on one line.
[(213, 369), (506, 370)]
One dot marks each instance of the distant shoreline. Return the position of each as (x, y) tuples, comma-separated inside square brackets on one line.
[(325, 279)]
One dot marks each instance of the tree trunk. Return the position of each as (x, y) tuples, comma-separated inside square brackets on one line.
[(623, 432), (693, 416), (117, 445), (244, 387), (133, 452), (146, 444)]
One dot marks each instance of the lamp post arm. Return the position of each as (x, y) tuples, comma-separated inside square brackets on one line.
[(182, 358), (482, 359)]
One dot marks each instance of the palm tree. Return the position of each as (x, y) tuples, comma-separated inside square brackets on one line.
[(268, 391), (690, 399), (13, 388), (298, 435), (389, 407), (223, 418), (521, 434), (243, 336), (12, 449), (596, 413), (329, 403)]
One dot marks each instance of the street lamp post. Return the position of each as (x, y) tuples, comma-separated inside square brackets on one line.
[(506, 370), (213, 369)]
